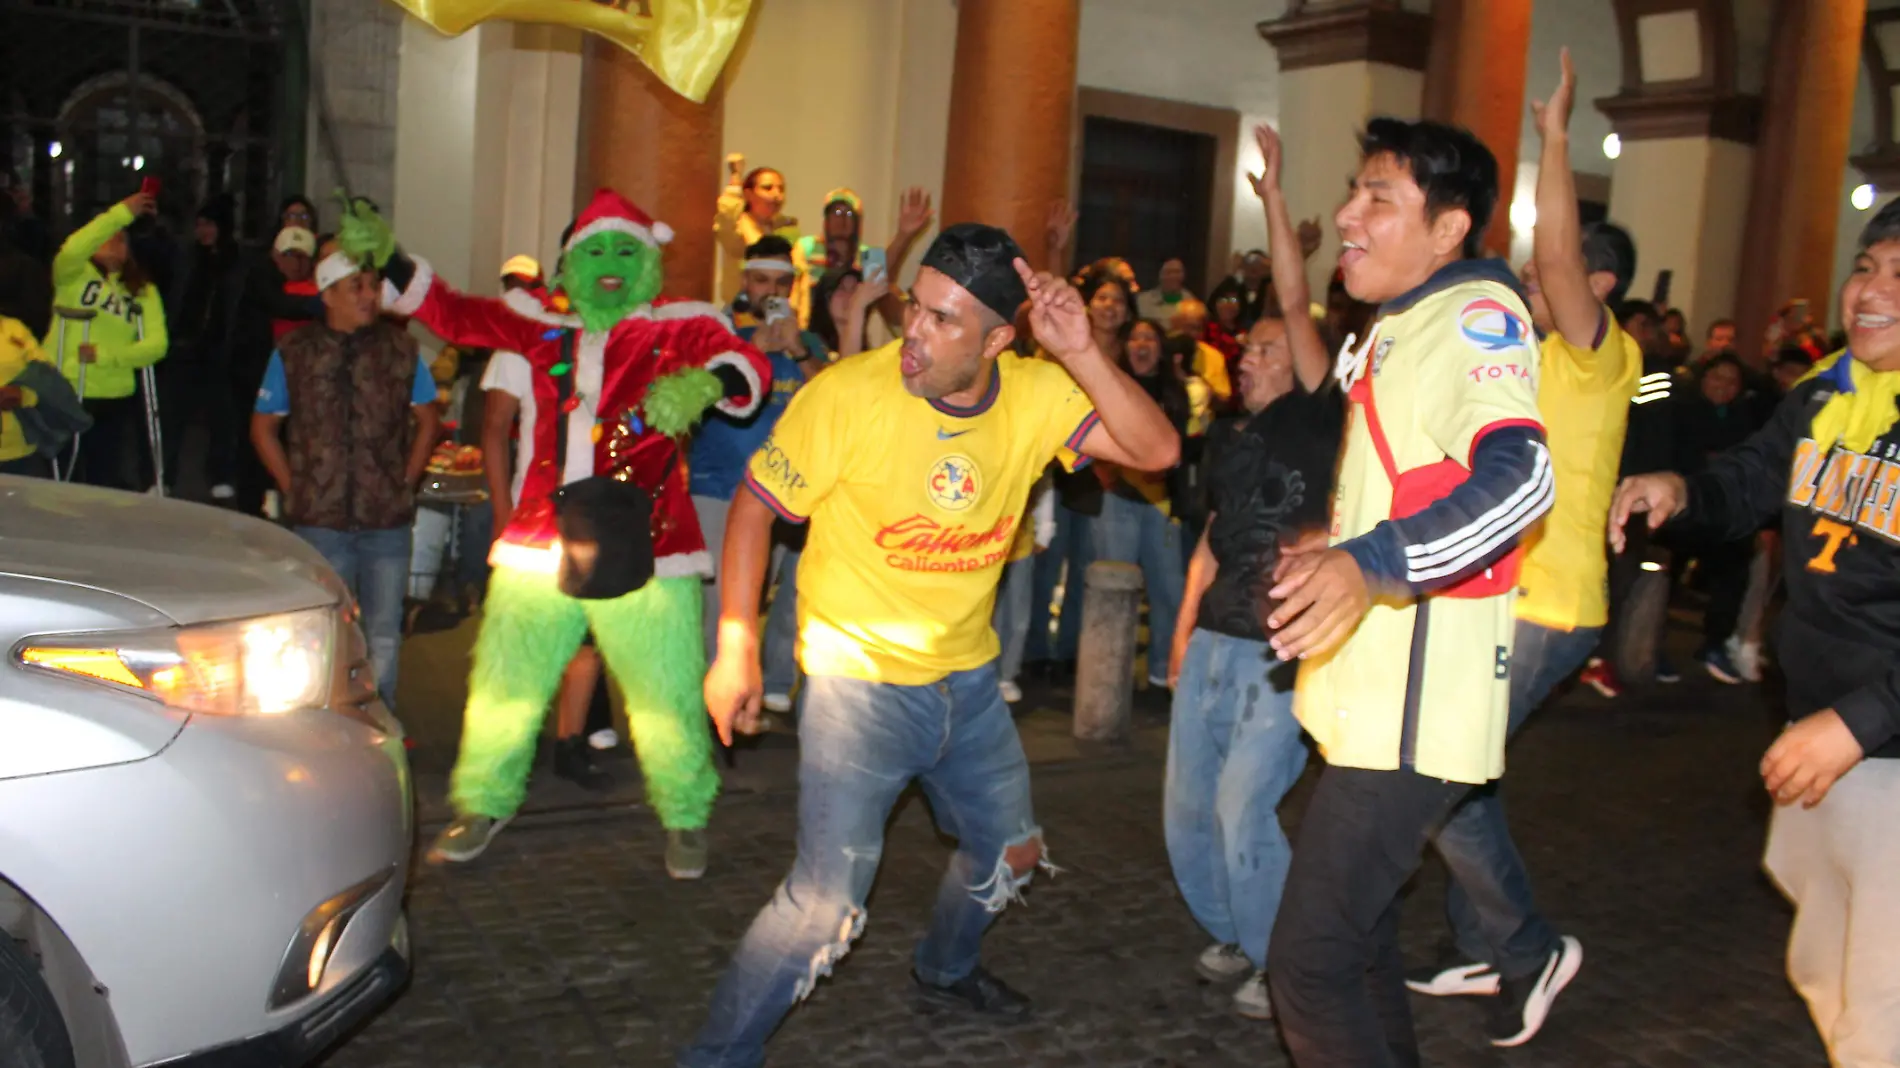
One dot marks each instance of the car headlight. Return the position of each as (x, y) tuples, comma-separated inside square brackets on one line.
[(268, 665)]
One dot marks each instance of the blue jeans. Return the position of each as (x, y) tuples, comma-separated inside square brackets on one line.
[(1488, 899), (374, 564), (860, 744), (1071, 551), (1011, 618), (1136, 532), (1233, 752)]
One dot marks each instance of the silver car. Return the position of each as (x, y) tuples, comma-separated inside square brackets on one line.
[(205, 811)]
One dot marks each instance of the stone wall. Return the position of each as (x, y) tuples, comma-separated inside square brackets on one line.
[(355, 63)]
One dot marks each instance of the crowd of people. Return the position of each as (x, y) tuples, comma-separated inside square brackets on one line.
[(1376, 521)]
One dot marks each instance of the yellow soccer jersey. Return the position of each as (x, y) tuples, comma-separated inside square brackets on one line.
[(914, 507), (1584, 395), (1425, 683)]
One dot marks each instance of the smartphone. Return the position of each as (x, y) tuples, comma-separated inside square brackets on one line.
[(1663, 279), (873, 268), (149, 187), (775, 309)]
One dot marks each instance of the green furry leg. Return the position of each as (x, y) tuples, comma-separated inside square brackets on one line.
[(529, 632), (652, 644)]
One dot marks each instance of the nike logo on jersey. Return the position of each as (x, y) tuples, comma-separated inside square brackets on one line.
[(946, 435)]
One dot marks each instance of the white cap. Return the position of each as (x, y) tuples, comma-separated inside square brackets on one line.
[(295, 239)]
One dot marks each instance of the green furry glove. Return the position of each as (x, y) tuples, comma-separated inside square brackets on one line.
[(364, 235), (675, 402)]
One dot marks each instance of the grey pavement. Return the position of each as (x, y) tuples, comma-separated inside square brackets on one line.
[(566, 944)]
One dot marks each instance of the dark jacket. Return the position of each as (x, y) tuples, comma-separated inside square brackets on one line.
[(1649, 444), (349, 430), (1840, 524)]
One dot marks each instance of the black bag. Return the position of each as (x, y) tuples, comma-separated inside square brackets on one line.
[(606, 525)]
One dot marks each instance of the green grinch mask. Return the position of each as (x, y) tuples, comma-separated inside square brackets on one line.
[(608, 275)]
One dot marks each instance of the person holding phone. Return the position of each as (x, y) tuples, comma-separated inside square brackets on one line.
[(95, 271), (841, 249), (751, 207)]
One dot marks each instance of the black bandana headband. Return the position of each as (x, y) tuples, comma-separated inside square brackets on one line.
[(981, 259)]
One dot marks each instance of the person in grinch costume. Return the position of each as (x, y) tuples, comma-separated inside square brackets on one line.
[(618, 382)]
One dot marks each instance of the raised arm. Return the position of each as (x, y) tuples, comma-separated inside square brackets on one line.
[(70, 262), (1289, 266), (1556, 240), (453, 316), (1133, 430)]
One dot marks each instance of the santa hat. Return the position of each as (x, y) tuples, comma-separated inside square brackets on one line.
[(609, 211)]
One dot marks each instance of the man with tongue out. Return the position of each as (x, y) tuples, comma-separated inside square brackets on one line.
[(912, 463)]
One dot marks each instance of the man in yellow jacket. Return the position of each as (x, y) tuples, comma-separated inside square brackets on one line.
[(95, 271)]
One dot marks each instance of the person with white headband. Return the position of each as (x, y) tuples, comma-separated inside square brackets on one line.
[(763, 315), (345, 422)]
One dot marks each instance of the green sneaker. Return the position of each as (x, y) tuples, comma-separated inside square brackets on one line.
[(686, 854), (464, 839)]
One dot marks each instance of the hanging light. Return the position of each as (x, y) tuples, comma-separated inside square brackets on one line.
[(1863, 196), (138, 163), (1612, 146), (53, 150)]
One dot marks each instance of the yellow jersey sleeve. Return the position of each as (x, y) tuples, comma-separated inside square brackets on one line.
[(804, 457), (1488, 374)]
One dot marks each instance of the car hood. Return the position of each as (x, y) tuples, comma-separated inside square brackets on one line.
[(191, 562)]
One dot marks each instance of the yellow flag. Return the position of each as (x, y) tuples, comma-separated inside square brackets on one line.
[(684, 42)]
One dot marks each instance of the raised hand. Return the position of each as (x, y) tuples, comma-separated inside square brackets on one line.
[(1269, 177), (735, 167), (914, 211), (1553, 115), (364, 235), (1059, 224), (1057, 315), (141, 203)]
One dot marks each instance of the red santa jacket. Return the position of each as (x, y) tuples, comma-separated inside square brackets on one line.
[(612, 371)]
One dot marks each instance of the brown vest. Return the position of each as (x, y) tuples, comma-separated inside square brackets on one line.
[(349, 430)]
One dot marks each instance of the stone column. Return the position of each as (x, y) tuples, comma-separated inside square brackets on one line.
[(1341, 63), (1012, 115), (658, 149), (1105, 668), (1687, 117), (1793, 212), (1475, 79)]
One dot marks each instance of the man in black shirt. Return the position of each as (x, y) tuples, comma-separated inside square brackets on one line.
[(1234, 748)]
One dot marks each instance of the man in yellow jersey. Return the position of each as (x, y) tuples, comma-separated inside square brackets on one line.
[(1444, 468), (912, 463), (1503, 946)]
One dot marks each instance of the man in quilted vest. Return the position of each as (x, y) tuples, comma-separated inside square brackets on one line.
[(345, 421)]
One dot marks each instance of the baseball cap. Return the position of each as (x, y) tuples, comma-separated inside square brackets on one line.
[(295, 239)]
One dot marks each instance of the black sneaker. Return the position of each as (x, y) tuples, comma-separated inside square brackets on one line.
[(1452, 975), (1666, 672), (1524, 1004), (979, 992), (574, 761)]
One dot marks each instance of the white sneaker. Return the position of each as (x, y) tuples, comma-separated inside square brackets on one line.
[(1523, 1005), (778, 702), (1011, 692), (1222, 963), (1251, 999), (604, 738), (1746, 656)]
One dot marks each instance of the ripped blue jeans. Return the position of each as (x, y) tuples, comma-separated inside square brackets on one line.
[(860, 744)]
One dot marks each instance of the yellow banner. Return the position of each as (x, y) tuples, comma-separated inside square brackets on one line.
[(684, 42)]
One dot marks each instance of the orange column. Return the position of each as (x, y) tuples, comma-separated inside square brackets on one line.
[(1794, 206), (1480, 51), (658, 149), (1012, 113)]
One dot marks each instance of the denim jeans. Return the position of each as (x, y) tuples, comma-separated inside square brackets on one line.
[(1011, 618), (1233, 752), (374, 564), (1333, 964), (1063, 563), (860, 744), (1139, 533), (1488, 899), (779, 641)]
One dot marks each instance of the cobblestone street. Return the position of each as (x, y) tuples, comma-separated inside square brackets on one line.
[(566, 944)]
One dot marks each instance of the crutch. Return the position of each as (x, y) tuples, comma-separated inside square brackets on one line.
[(153, 431), (84, 316)]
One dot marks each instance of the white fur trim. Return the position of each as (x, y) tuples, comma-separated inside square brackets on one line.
[(525, 304), (680, 565), (547, 561), (418, 289), (726, 404), (658, 235), (686, 309)]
